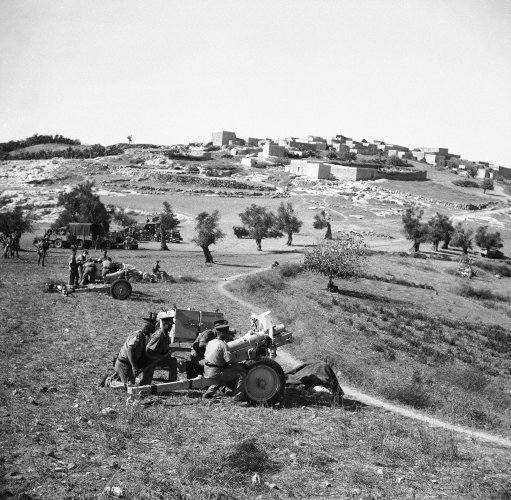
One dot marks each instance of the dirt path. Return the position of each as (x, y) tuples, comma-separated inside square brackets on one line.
[(352, 392)]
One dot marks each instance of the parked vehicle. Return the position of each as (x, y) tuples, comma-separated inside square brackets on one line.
[(86, 235)]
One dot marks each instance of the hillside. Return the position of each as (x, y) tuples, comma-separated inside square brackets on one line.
[(406, 332), (63, 436)]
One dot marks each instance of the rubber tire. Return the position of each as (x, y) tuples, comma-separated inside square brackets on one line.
[(264, 371), (57, 243), (79, 244), (120, 289)]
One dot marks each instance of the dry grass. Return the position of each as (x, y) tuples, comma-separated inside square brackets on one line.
[(57, 443), (378, 338)]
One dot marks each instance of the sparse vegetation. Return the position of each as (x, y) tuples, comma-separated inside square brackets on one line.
[(465, 183), (466, 289), (440, 229)]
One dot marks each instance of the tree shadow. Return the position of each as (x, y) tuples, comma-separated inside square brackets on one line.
[(355, 294), (140, 296), (235, 265)]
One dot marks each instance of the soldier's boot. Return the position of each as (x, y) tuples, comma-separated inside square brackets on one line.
[(210, 393)]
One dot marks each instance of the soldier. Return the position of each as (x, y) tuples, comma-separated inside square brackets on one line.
[(42, 250), (159, 344), (106, 263), (15, 245), (89, 272), (7, 246), (131, 359), (219, 365), (81, 260), (196, 364), (73, 269)]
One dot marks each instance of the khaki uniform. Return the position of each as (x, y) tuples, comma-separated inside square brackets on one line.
[(136, 344), (217, 358)]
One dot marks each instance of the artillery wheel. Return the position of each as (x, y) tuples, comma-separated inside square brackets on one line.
[(264, 381), (57, 243), (120, 289), (79, 244)]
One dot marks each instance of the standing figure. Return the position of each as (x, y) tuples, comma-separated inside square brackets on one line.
[(81, 260), (73, 269), (15, 245), (42, 250), (7, 246)]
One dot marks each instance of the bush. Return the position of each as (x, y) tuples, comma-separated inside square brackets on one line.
[(259, 282), (289, 270), (466, 183), (467, 377), (409, 393), (467, 290), (494, 267)]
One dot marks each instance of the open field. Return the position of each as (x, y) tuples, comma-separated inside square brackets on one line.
[(409, 331), (59, 442)]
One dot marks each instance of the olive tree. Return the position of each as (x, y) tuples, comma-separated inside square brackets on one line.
[(82, 205), (440, 229), (413, 227), (487, 185), (340, 258), (207, 232), (488, 240), (14, 221), (259, 222), (168, 221), (462, 237), (287, 221), (321, 221)]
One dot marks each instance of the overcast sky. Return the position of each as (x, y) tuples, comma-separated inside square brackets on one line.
[(417, 73)]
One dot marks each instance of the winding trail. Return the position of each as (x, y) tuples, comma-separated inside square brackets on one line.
[(360, 396)]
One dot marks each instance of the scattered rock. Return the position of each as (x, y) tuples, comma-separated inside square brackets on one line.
[(108, 411), (272, 486), (14, 475), (60, 429), (256, 479), (114, 491)]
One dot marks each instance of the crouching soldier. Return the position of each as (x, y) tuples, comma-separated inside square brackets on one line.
[(196, 364), (219, 366), (132, 358)]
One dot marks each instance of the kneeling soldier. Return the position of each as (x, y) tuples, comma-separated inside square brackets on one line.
[(218, 364), (132, 356)]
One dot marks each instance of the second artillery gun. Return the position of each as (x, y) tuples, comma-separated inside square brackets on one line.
[(255, 351)]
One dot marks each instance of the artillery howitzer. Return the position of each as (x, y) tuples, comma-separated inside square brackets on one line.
[(264, 380)]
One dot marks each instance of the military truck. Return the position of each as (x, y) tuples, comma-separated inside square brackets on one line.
[(86, 235)]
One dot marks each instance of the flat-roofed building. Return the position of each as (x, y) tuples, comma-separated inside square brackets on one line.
[(222, 138)]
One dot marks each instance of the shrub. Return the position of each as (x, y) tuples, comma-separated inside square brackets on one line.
[(468, 377), (467, 290), (263, 282), (411, 393), (494, 267), (289, 270), (340, 258), (466, 183)]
